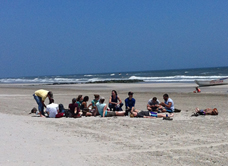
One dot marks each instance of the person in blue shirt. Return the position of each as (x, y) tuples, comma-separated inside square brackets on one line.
[(130, 103)]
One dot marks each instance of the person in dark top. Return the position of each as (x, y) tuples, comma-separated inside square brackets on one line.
[(85, 110), (74, 109), (129, 103), (115, 102)]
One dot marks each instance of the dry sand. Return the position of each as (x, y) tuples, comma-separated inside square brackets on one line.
[(30, 140)]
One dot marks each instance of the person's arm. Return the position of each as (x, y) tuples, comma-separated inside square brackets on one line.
[(104, 110), (89, 105), (126, 102), (167, 105), (78, 109), (120, 101), (75, 110), (84, 104), (148, 106), (43, 104), (132, 109)]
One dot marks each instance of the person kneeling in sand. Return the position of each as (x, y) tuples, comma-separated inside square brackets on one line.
[(102, 109), (207, 111), (53, 110), (150, 114)]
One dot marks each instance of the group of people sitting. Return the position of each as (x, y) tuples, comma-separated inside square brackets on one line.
[(79, 106)]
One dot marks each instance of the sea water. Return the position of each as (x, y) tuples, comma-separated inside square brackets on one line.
[(180, 75)]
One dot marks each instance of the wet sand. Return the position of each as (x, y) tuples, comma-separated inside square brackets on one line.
[(30, 140)]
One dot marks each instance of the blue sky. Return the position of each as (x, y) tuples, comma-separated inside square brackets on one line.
[(53, 37)]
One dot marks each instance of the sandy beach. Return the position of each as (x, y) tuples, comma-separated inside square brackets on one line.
[(31, 140)]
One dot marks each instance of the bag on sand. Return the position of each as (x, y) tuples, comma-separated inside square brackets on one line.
[(68, 113)]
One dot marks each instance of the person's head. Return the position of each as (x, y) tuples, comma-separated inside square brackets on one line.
[(102, 99), (96, 96), (114, 93), (165, 97), (79, 98), (50, 95), (74, 100), (61, 107), (130, 94), (154, 99), (51, 101), (86, 98), (34, 110)]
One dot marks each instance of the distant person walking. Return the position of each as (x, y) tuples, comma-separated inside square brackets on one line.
[(40, 96)]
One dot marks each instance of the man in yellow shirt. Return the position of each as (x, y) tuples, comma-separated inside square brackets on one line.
[(40, 96)]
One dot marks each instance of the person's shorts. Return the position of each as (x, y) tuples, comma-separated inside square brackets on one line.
[(141, 114), (110, 113), (201, 112), (153, 114), (169, 110)]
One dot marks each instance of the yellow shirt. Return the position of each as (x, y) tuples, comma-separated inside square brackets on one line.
[(42, 93)]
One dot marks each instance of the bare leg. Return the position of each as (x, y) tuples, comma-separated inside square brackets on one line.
[(120, 113), (164, 115), (89, 114), (197, 110)]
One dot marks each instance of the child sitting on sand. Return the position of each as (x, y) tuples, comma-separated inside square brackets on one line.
[(207, 111)]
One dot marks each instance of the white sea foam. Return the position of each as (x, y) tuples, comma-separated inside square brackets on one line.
[(181, 78), (89, 75)]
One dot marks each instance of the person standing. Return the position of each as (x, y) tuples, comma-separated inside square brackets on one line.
[(40, 96)]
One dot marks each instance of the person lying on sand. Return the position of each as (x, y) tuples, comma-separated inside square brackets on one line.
[(150, 114), (102, 109), (207, 111)]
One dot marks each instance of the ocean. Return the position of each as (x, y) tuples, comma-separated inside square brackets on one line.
[(159, 76)]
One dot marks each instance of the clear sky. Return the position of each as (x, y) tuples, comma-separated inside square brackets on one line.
[(54, 37)]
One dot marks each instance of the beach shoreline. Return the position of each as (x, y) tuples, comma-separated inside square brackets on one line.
[(122, 141)]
